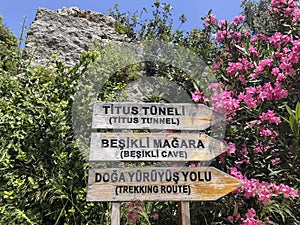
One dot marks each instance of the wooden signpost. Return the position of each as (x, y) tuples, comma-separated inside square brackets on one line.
[(159, 184), (154, 147), (181, 184), (161, 116)]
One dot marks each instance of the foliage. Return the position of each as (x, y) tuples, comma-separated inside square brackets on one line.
[(160, 27), (8, 49), (260, 21), (258, 81), (44, 175)]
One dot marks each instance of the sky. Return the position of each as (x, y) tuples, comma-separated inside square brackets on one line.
[(14, 11)]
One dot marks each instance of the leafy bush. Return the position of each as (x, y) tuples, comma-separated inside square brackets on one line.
[(259, 82)]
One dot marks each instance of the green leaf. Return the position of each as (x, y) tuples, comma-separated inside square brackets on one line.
[(294, 125), (289, 110), (285, 119), (298, 111)]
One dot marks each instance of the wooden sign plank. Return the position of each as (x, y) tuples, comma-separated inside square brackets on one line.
[(129, 115), (154, 147), (159, 184)]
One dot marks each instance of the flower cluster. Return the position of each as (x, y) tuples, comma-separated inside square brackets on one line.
[(258, 75), (223, 100), (198, 97), (249, 220), (133, 210), (264, 191), (287, 8)]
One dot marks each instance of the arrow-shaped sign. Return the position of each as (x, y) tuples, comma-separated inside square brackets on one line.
[(129, 115), (154, 147), (159, 184)]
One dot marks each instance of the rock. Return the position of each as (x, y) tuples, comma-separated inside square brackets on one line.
[(67, 33)]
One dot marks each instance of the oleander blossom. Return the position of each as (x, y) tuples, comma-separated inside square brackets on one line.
[(133, 210), (210, 19), (198, 97), (238, 20), (257, 76), (270, 116), (155, 216), (224, 101), (264, 191)]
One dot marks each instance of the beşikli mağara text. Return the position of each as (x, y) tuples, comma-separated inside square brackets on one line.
[(144, 143)]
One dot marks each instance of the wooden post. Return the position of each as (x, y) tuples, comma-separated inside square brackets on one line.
[(184, 213), (115, 213)]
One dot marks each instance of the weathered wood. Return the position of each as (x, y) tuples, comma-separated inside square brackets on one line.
[(129, 115), (115, 214), (154, 147), (159, 184), (184, 213)]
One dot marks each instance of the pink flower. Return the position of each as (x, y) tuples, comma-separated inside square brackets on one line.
[(280, 77), (238, 20), (196, 96), (242, 79), (224, 101), (260, 148), (133, 209), (265, 196), (251, 213), (253, 51), (265, 132), (220, 36), (263, 64), (252, 222), (217, 64), (266, 91), (278, 92), (237, 174), (232, 148), (259, 37), (132, 217), (155, 216), (233, 67), (295, 55), (275, 71), (247, 65), (296, 15), (288, 191), (270, 116), (253, 123), (129, 204), (249, 99), (210, 19), (275, 161), (230, 219), (222, 23)]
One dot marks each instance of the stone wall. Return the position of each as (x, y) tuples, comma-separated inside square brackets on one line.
[(67, 32)]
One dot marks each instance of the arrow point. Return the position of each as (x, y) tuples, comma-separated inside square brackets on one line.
[(217, 117)]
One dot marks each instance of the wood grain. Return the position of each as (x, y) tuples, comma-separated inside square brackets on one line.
[(198, 184), (129, 115), (154, 147)]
